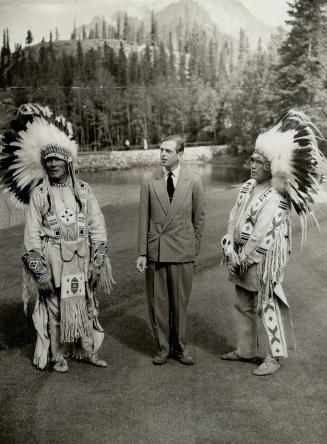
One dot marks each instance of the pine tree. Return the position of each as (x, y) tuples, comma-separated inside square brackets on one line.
[(140, 74), (222, 66), (194, 51), (83, 33), (8, 60), (74, 33), (43, 64), (302, 68), (132, 32), (133, 67), (212, 63), (29, 38), (122, 74), (3, 82), (80, 58), (172, 59), (67, 78), (242, 50), (231, 59), (179, 35), (111, 32), (96, 34), (140, 33), (162, 62), (8, 51), (153, 31), (250, 107), (104, 29), (126, 29), (147, 67), (109, 60), (118, 31), (52, 56), (90, 65), (156, 74), (57, 36), (182, 68), (203, 58)]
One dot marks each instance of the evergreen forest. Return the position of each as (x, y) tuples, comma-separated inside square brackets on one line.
[(130, 82)]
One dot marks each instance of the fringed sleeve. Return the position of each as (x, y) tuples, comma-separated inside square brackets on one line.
[(98, 239)]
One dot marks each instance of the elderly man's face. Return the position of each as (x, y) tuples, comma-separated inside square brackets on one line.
[(56, 169), (260, 170)]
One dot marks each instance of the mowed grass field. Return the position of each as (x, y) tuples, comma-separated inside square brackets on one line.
[(132, 401)]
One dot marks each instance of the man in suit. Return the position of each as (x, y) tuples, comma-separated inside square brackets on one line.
[(171, 221)]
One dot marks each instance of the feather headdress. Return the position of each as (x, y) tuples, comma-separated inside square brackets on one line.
[(36, 133), (296, 163)]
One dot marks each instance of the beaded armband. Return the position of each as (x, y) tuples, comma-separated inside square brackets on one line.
[(99, 254), (35, 263)]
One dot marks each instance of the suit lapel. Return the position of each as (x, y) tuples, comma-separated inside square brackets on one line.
[(160, 188), (182, 186)]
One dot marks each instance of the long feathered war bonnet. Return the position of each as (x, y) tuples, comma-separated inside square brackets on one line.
[(297, 165), (36, 134)]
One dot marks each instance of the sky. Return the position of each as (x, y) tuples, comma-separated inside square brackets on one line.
[(43, 16), (271, 12)]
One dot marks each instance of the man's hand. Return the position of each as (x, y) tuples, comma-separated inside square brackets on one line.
[(45, 289), (90, 308), (93, 276), (234, 259), (232, 270), (141, 264)]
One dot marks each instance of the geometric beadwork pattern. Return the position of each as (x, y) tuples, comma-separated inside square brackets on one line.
[(272, 328), (100, 252), (276, 223), (67, 216)]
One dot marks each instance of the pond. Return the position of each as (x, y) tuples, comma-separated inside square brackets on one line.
[(122, 187), (113, 187)]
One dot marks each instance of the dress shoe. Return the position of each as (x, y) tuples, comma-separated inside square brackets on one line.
[(233, 356), (94, 360), (60, 366), (269, 366), (160, 360), (186, 359)]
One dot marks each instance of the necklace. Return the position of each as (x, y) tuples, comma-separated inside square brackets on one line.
[(59, 185)]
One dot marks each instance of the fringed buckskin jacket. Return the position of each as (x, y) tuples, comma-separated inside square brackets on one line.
[(64, 233), (259, 227)]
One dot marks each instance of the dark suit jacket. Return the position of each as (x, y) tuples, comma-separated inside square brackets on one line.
[(171, 232)]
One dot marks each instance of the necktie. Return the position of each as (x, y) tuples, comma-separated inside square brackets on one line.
[(170, 186)]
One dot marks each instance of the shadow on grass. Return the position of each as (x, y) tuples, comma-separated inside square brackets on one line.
[(136, 334), (16, 329), (206, 337), (133, 332)]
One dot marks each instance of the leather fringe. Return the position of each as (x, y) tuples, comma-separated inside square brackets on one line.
[(30, 288), (106, 280), (74, 321)]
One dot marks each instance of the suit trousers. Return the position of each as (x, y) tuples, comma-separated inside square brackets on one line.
[(169, 287)]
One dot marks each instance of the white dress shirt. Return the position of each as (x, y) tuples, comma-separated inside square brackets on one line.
[(174, 174)]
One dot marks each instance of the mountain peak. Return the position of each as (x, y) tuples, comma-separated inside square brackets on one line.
[(231, 15)]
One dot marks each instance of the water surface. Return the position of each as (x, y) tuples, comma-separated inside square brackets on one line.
[(123, 187)]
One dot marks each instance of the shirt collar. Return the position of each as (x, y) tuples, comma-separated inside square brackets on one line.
[(175, 172)]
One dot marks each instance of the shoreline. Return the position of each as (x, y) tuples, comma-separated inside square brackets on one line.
[(124, 160)]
